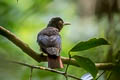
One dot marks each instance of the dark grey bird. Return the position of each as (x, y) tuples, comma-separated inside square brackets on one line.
[(49, 41)]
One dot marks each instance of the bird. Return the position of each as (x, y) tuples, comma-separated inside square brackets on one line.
[(49, 41)]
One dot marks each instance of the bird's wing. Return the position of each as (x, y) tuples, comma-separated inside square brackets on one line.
[(49, 41), (50, 44)]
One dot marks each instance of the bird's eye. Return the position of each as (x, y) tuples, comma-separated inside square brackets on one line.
[(60, 22)]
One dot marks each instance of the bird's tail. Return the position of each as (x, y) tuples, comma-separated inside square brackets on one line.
[(54, 62)]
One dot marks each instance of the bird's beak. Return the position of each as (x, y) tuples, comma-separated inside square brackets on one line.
[(66, 23)]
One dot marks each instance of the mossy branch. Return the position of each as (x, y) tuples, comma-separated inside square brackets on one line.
[(26, 49)]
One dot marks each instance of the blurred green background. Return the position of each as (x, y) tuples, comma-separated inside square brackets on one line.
[(27, 17)]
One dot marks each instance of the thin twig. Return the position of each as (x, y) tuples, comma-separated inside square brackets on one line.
[(100, 75), (31, 70), (68, 65), (66, 77), (25, 48), (68, 62), (47, 69), (109, 75), (17, 1)]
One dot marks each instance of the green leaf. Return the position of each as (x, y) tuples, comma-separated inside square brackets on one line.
[(89, 44), (86, 64)]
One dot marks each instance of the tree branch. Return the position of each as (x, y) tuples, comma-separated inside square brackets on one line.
[(25, 48), (47, 69), (10, 36)]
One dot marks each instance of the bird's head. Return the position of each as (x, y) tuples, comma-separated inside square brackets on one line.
[(57, 22)]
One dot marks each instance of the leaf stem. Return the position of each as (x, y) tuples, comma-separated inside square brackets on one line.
[(31, 73), (68, 62)]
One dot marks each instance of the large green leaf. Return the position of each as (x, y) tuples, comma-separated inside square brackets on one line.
[(86, 64), (89, 44)]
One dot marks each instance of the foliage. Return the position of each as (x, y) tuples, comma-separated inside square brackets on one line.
[(89, 44), (84, 62)]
